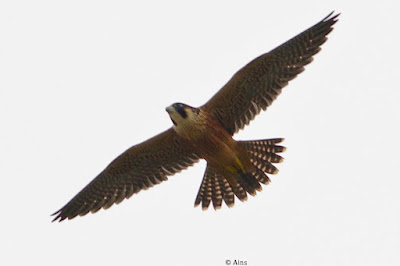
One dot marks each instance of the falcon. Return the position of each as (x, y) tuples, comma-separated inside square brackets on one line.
[(234, 168)]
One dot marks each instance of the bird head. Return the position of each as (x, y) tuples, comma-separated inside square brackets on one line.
[(181, 113)]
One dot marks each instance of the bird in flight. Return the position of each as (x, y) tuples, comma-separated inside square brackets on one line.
[(234, 168)]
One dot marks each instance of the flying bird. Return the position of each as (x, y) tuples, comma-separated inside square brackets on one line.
[(234, 168)]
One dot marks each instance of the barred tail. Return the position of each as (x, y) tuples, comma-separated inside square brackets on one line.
[(215, 188)]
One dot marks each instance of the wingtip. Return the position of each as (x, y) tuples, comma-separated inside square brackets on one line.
[(58, 216), (57, 219), (330, 14), (330, 17), (333, 19)]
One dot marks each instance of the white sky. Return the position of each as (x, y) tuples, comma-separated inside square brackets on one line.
[(82, 81)]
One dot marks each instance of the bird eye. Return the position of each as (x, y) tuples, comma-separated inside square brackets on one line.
[(182, 111)]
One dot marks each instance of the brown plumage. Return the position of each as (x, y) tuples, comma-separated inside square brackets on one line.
[(234, 168)]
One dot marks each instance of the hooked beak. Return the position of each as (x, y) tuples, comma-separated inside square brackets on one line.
[(169, 109)]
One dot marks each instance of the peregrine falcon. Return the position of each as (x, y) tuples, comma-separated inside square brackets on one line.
[(234, 168)]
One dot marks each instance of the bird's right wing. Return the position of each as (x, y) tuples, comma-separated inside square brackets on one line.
[(140, 167)]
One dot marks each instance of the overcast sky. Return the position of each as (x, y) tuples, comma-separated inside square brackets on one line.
[(82, 81)]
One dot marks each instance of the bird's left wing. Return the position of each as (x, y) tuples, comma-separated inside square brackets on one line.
[(255, 86), (140, 167)]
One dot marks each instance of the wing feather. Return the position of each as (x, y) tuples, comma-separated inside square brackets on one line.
[(256, 86), (140, 167)]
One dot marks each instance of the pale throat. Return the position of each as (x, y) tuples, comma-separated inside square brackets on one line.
[(191, 127)]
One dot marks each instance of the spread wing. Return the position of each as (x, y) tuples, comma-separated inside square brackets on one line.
[(255, 86), (140, 167)]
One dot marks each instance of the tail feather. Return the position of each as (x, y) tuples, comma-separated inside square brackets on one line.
[(263, 165), (264, 149), (267, 156), (215, 188), (249, 182), (216, 195), (203, 196), (239, 191), (262, 177), (227, 193)]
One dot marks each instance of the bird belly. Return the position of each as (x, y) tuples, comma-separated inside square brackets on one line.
[(214, 144), (221, 151)]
